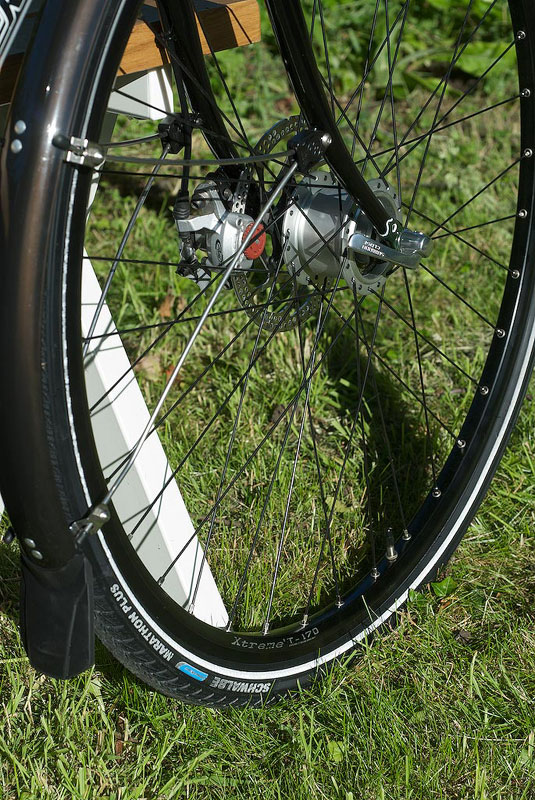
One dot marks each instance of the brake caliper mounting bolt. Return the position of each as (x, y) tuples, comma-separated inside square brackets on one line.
[(521, 35), (522, 214), (500, 333), (436, 492), (528, 152)]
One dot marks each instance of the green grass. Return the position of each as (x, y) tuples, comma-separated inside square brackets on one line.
[(441, 707)]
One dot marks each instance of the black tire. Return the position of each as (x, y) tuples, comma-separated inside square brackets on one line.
[(56, 476)]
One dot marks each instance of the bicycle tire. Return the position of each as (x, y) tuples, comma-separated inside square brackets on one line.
[(138, 621)]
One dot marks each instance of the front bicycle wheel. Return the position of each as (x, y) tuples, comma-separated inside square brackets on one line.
[(341, 410)]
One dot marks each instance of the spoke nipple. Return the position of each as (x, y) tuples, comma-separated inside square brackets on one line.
[(339, 603), (528, 152), (265, 628), (406, 536), (228, 626), (304, 621), (522, 214), (515, 273), (461, 444), (436, 492), (375, 573), (484, 390), (391, 552), (500, 333), (521, 35), (525, 93)]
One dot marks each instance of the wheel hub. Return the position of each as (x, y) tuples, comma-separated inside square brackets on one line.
[(319, 226)]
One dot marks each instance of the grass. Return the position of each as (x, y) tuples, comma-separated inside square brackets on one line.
[(441, 706)]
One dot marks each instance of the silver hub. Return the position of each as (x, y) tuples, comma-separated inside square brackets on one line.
[(319, 226)]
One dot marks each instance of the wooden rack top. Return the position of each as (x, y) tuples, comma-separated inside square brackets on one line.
[(222, 25)]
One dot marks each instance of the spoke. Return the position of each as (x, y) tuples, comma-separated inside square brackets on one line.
[(477, 194), (326, 51), (361, 383), (267, 436), (420, 138), (360, 89), (148, 427), (437, 112), (383, 426), (388, 88), (437, 88), (473, 227), (232, 439), (458, 296), (392, 102), (421, 376), (139, 205), (346, 322), (427, 341), (308, 384), (441, 226), (469, 91), (304, 384)]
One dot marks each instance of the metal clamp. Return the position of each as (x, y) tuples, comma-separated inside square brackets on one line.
[(79, 151), (98, 516)]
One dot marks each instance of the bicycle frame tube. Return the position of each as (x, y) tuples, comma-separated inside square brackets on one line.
[(294, 44), (190, 68), (293, 39)]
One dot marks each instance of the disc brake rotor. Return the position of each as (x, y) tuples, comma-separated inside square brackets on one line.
[(288, 302)]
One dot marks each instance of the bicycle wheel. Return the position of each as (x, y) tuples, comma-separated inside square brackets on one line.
[(341, 410)]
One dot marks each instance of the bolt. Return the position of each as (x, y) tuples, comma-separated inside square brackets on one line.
[(9, 535), (525, 93), (29, 543), (16, 146), (500, 333), (522, 214), (521, 35), (19, 127), (227, 194), (484, 390), (515, 273), (36, 554), (436, 492), (528, 152)]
